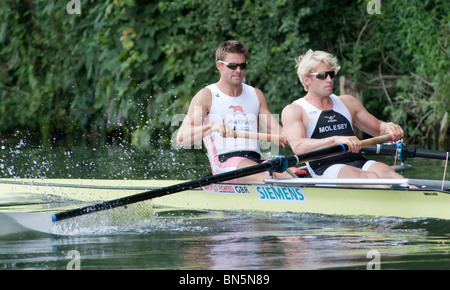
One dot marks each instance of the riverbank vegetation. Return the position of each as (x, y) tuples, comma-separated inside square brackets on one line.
[(126, 70)]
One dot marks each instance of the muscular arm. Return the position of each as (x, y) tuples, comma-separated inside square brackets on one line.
[(192, 129), (369, 123)]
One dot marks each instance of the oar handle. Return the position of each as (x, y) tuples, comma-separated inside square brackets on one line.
[(433, 154), (375, 140), (259, 136), (406, 151), (282, 139)]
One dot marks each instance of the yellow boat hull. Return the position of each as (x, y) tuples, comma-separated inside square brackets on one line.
[(269, 197)]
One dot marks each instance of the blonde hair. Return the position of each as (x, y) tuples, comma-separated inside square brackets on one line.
[(311, 59)]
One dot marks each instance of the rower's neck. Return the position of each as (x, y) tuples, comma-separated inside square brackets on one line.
[(231, 90), (323, 103)]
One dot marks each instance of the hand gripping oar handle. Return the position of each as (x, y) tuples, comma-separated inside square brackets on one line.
[(259, 136), (279, 164)]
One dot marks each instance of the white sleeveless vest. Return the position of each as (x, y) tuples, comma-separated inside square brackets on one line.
[(241, 113), (314, 113), (323, 124)]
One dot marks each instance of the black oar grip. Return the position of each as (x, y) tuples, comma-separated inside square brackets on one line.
[(442, 155), (405, 151)]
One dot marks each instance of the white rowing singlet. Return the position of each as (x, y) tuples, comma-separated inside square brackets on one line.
[(241, 113), (322, 124)]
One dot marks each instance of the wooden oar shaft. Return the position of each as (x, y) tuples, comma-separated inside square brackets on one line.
[(259, 136), (279, 164), (375, 140), (282, 139)]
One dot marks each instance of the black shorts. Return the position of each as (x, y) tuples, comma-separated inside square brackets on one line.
[(252, 155)]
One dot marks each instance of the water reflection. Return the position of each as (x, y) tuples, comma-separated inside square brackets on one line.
[(230, 241), (199, 240)]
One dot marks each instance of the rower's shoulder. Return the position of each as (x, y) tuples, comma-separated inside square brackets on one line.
[(202, 99), (353, 105), (294, 106), (292, 110), (347, 98), (205, 92), (203, 96)]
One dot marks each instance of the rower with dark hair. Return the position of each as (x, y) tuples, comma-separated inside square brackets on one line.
[(222, 108)]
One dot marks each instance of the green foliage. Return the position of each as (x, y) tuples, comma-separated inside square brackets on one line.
[(126, 68), (407, 45)]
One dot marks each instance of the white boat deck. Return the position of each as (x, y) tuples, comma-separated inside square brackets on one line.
[(395, 183)]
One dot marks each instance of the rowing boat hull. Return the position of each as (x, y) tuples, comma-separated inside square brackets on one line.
[(269, 197)]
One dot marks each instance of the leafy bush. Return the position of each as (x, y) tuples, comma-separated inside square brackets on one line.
[(122, 69)]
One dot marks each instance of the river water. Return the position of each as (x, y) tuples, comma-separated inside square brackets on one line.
[(184, 240)]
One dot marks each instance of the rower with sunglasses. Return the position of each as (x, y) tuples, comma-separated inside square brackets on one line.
[(230, 105), (322, 119)]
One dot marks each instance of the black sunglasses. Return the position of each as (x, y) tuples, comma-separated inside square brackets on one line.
[(323, 75), (234, 66)]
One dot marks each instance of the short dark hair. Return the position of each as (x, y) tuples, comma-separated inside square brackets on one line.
[(230, 46)]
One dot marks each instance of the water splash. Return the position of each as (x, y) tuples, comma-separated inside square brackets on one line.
[(104, 162), (138, 218), (130, 218)]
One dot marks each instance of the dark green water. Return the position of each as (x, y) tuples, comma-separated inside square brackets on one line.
[(211, 240)]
